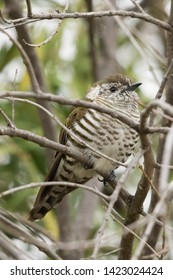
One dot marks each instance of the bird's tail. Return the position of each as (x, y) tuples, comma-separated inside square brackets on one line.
[(44, 202), (48, 198)]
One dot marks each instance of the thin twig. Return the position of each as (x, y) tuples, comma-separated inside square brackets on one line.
[(4, 19), (45, 41), (14, 229), (149, 180), (53, 33), (167, 108), (74, 102), (162, 87), (160, 165), (133, 40), (26, 61), (12, 250), (7, 119), (165, 79), (53, 183), (138, 6), (12, 100)]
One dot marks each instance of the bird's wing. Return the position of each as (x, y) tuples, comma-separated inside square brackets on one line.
[(74, 116), (43, 191)]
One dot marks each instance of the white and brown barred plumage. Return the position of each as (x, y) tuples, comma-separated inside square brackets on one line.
[(103, 132)]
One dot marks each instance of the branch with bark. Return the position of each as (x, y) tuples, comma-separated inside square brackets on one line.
[(77, 15)]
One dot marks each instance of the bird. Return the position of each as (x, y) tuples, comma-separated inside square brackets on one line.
[(101, 131)]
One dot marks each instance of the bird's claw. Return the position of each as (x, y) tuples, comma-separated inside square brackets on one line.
[(108, 179)]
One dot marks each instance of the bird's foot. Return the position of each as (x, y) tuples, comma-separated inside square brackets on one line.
[(108, 179)]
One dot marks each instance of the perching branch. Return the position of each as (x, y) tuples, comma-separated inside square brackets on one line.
[(43, 142)]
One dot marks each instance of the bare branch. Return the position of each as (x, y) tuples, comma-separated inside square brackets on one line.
[(82, 103), (26, 61), (76, 15), (11, 249), (14, 229), (7, 119), (53, 34), (155, 229), (4, 19), (53, 183), (45, 41), (43, 142), (113, 199), (14, 9), (167, 108), (132, 37), (138, 6), (165, 80), (74, 102), (136, 203)]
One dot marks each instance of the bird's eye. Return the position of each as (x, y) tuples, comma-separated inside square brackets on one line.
[(113, 89)]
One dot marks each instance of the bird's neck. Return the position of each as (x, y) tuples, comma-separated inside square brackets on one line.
[(127, 107)]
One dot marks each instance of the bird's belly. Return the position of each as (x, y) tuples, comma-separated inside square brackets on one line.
[(104, 165), (80, 174), (118, 147), (112, 138)]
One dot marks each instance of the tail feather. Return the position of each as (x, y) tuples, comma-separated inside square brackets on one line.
[(51, 196), (46, 199), (37, 213), (43, 206)]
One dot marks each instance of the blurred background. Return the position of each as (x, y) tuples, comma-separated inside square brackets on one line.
[(82, 52)]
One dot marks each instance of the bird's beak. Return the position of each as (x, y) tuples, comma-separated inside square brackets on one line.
[(133, 87)]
